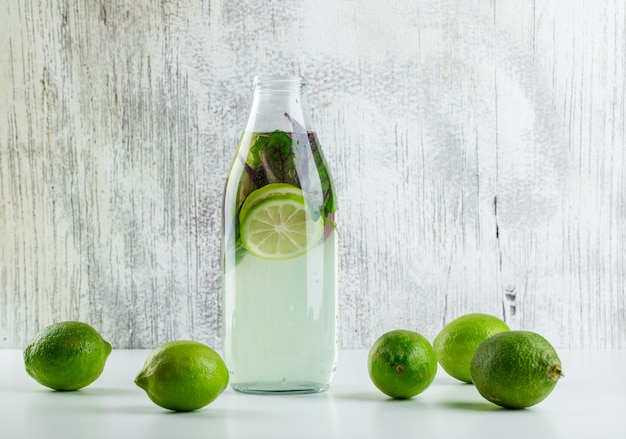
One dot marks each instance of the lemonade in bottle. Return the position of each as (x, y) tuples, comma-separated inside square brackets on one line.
[(279, 249)]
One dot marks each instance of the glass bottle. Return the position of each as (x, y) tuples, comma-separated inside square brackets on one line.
[(279, 249)]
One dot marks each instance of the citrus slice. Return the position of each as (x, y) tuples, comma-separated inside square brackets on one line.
[(280, 227), (267, 191)]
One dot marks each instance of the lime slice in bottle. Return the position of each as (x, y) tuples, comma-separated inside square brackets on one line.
[(267, 191), (280, 227)]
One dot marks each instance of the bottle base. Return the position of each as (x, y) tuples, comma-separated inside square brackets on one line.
[(279, 388)]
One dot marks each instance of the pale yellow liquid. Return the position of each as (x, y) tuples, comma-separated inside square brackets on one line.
[(280, 321)]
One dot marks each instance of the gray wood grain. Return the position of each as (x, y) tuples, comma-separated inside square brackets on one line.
[(478, 149)]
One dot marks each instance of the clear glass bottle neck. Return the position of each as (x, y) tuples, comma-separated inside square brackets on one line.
[(277, 83), (278, 103)]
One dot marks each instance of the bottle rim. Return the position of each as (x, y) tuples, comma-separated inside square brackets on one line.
[(278, 82)]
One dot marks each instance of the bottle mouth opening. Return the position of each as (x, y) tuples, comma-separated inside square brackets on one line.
[(278, 82)]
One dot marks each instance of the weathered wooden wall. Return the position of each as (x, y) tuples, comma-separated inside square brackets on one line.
[(478, 148)]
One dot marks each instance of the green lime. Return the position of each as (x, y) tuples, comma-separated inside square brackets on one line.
[(268, 191), (402, 364), (280, 227), (66, 355), (183, 375), (515, 369), (456, 342)]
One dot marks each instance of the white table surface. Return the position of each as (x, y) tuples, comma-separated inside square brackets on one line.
[(590, 402)]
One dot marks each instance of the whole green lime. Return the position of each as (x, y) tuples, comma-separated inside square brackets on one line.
[(402, 364), (515, 369), (183, 375), (457, 341), (66, 355)]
